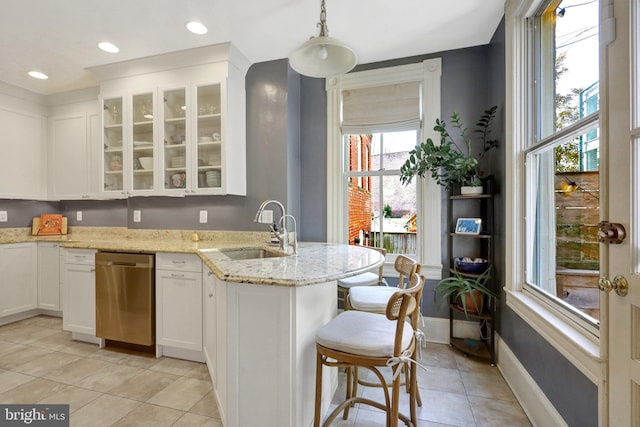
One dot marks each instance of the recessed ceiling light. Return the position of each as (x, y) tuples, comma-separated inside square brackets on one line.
[(196, 27), (108, 47), (38, 75)]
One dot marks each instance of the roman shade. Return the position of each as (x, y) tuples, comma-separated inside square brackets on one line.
[(393, 107)]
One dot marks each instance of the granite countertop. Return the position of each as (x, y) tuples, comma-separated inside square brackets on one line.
[(314, 263)]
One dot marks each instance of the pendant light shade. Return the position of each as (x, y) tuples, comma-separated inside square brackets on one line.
[(323, 56)]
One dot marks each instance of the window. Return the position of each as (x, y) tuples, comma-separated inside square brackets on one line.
[(374, 118), (381, 212), (552, 180), (562, 179)]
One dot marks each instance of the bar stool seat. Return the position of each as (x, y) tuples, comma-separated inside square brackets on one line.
[(368, 278), (373, 300)]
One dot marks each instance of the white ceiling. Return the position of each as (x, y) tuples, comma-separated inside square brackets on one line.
[(59, 37)]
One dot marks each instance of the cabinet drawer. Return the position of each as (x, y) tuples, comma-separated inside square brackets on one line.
[(178, 262), (79, 256)]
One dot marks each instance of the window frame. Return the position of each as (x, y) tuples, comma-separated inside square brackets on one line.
[(429, 194), (553, 322)]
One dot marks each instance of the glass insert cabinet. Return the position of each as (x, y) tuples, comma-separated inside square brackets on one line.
[(174, 124), (166, 141)]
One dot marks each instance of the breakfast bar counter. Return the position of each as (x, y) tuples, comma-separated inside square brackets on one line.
[(261, 310)]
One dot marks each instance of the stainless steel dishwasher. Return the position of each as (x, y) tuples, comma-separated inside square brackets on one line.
[(125, 297)]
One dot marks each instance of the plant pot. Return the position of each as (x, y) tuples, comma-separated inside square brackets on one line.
[(474, 301), (470, 191)]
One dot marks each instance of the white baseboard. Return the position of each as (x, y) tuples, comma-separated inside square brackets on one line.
[(180, 353), (534, 402), (436, 329)]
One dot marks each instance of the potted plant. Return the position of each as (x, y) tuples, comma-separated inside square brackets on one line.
[(469, 292), (452, 162)]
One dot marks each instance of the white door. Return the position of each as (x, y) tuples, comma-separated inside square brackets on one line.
[(621, 125)]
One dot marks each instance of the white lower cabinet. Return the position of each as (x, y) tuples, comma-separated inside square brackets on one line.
[(79, 291), (49, 276), (179, 303), (209, 325), (19, 284)]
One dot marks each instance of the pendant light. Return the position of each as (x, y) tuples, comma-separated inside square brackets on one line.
[(323, 56)]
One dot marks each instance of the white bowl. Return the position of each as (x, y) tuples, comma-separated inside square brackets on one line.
[(146, 162)]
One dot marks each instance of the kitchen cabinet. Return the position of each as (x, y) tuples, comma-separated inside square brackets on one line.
[(210, 333), (74, 131), (49, 276), (23, 162), (179, 303), (79, 293), (187, 124), (19, 285)]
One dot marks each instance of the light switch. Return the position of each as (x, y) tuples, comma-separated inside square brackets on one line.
[(136, 216), (78, 215), (203, 217), (266, 217), (3, 216)]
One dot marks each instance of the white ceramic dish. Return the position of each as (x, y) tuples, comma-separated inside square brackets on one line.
[(146, 162)]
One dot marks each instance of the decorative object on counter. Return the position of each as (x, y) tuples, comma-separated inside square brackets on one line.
[(469, 293), (447, 162), (49, 224), (323, 56), (468, 226)]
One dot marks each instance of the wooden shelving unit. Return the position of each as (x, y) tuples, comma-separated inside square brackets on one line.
[(481, 206)]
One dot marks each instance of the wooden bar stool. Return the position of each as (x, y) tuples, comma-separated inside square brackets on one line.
[(365, 279), (374, 299), (373, 341)]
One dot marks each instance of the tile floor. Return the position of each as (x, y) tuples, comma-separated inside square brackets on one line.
[(40, 363)]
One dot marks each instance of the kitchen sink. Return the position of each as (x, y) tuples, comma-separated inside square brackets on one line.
[(240, 254)]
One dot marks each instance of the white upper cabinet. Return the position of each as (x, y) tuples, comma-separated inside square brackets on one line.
[(74, 129), (171, 131), (23, 160)]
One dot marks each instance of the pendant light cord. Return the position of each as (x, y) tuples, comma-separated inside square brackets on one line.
[(324, 31)]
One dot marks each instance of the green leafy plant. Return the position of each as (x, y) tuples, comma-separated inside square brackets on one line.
[(451, 162), (458, 286)]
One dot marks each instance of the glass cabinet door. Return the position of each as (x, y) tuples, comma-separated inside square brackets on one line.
[(142, 135), (113, 178), (174, 136), (209, 136)]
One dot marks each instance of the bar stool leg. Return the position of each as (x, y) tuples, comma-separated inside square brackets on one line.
[(317, 415)]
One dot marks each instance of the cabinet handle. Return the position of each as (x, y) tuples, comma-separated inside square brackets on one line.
[(92, 269), (80, 257), (177, 275), (210, 295), (178, 262)]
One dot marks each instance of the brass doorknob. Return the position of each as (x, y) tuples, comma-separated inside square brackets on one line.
[(619, 283)]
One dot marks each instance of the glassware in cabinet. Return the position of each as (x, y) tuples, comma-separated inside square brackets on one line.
[(113, 179), (142, 132), (174, 139), (209, 136)]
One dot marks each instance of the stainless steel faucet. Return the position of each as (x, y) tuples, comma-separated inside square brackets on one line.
[(283, 236)]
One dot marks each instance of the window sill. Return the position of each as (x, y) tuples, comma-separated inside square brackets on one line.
[(581, 350)]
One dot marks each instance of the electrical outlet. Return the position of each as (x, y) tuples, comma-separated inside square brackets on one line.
[(203, 217), (136, 216), (3, 216), (266, 217), (78, 215)]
